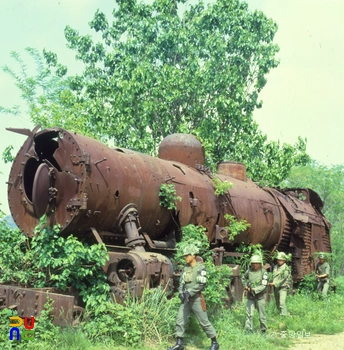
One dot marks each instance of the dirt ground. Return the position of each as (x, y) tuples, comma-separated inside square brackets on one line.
[(314, 342), (320, 342)]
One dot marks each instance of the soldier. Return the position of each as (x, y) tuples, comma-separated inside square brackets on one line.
[(323, 275), (281, 283), (256, 284), (192, 282)]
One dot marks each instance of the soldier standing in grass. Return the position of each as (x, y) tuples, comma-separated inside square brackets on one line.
[(323, 275), (256, 279), (192, 282), (281, 283)]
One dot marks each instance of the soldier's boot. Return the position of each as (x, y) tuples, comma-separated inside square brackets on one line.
[(179, 345), (214, 344)]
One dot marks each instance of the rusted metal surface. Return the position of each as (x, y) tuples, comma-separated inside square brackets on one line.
[(306, 230), (247, 201), (30, 302), (232, 169), (182, 148), (89, 184), (112, 195), (135, 271)]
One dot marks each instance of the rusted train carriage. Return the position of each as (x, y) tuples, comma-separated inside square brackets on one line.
[(113, 195)]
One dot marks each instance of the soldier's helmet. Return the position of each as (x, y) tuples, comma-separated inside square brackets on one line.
[(256, 259), (322, 256), (281, 256), (190, 249)]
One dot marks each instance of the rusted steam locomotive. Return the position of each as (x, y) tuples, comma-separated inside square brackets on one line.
[(113, 195)]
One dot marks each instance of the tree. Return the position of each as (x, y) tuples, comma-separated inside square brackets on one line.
[(328, 182), (47, 95), (158, 71)]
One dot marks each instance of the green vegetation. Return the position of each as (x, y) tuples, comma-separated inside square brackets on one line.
[(244, 261), (235, 226), (217, 276), (168, 196), (221, 187), (147, 323), (49, 260), (158, 70), (288, 256), (192, 235), (157, 73)]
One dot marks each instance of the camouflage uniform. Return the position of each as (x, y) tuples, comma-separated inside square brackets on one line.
[(193, 280), (281, 281), (257, 281), (323, 283)]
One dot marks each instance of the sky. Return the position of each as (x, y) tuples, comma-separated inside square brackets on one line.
[(304, 95)]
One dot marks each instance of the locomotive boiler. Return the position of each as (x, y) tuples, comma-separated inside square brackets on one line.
[(112, 196)]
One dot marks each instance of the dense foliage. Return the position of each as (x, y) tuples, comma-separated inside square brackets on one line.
[(168, 196), (50, 260), (163, 68), (150, 325)]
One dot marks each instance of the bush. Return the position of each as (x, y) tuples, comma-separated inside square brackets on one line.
[(308, 285), (150, 319), (338, 283)]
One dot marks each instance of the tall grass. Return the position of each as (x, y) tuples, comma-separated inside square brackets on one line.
[(155, 315)]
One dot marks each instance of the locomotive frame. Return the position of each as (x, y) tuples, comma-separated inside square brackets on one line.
[(112, 195)]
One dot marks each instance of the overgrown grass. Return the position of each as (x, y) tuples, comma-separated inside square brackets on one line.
[(154, 318), (310, 314)]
